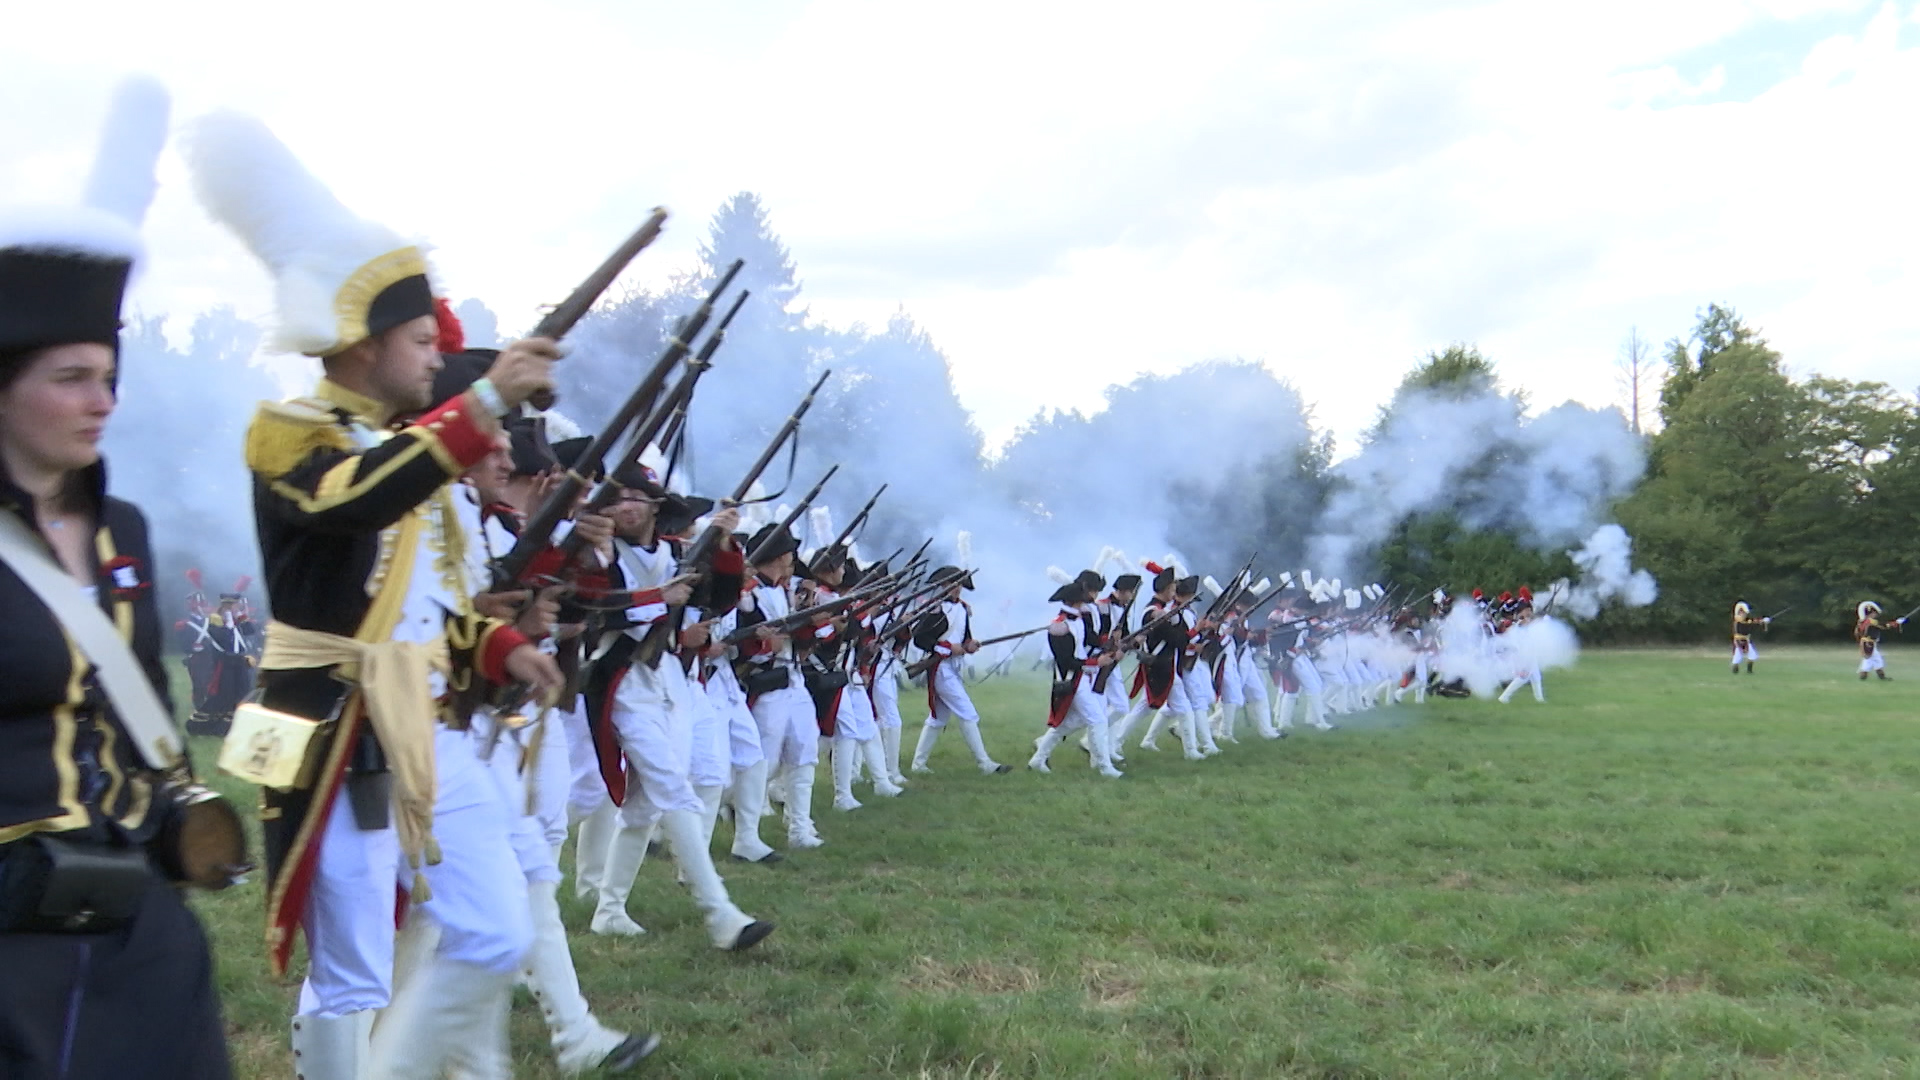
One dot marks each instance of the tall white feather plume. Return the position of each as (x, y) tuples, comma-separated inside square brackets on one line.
[(1172, 565), (780, 513), (1353, 600), (1059, 576), (560, 426), (1286, 580), (249, 181), (963, 548), (1259, 588), (1336, 587), (122, 182), (1306, 578), (1209, 584), (106, 223), (820, 524)]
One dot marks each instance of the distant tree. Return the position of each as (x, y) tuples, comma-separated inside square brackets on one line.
[(1633, 372), (1716, 330)]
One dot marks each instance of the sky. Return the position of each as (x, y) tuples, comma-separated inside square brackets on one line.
[(1068, 195)]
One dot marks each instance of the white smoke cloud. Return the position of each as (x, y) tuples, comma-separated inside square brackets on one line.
[(1607, 576)]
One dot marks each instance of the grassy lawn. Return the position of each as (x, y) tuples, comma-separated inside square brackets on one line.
[(1665, 871)]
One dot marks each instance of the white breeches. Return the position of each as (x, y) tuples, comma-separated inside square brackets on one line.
[(743, 733), (1232, 690), (1198, 684), (1876, 662), (789, 735), (1087, 709), (479, 890), (349, 917), (855, 719), (537, 815), (1744, 651), (1253, 679), (657, 739), (711, 765), (885, 693), (950, 698)]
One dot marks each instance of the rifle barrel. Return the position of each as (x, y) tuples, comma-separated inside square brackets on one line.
[(562, 318)]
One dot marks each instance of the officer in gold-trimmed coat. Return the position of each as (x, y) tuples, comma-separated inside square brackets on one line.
[(372, 619)]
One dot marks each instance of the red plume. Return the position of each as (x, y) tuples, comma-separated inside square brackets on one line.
[(241, 585), (194, 577), (453, 336), (1154, 568)]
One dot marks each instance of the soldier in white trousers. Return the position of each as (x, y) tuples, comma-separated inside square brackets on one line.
[(655, 709), (789, 734), (944, 634)]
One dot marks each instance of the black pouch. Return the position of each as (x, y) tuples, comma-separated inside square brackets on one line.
[(369, 784), (52, 884), (765, 681)]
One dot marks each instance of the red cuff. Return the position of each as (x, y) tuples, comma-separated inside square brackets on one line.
[(753, 646), (729, 560), (647, 596), (492, 654), (457, 429)]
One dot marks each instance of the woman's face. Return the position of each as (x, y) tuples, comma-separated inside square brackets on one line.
[(55, 411)]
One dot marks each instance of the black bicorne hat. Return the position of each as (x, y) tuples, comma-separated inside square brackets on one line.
[(778, 541), (459, 370), (1127, 581), (678, 513), (951, 575), (1073, 592), (1187, 586), (1091, 581)]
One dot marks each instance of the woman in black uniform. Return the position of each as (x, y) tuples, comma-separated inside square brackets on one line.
[(103, 970)]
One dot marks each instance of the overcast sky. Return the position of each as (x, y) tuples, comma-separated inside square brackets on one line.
[(1067, 195)]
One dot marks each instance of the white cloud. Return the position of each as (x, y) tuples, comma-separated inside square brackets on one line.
[(1067, 195)]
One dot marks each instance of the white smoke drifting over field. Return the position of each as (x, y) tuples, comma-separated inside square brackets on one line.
[(1487, 663), (1549, 480)]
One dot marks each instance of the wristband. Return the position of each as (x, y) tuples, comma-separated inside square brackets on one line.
[(490, 398)]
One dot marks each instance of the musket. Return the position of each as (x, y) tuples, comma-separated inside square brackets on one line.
[(1106, 673), (1233, 586), (710, 538), (799, 508), (919, 667), (847, 533), (565, 314), (607, 491), (674, 408), (795, 619), (1908, 615), (1786, 609), (538, 531)]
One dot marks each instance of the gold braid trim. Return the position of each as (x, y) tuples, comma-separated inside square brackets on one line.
[(284, 433)]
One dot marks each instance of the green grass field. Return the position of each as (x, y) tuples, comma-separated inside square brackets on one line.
[(1665, 871)]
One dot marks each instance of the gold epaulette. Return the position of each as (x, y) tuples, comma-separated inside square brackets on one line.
[(283, 433)]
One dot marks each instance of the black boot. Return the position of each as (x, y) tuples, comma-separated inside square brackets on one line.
[(1863, 676), (1749, 667), (1884, 677)]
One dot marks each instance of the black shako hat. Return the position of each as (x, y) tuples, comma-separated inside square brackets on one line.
[(64, 269), (951, 575)]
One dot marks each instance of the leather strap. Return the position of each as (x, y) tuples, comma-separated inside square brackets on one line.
[(134, 701)]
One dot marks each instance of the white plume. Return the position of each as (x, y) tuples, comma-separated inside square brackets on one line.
[(1059, 576), (963, 548), (820, 526), (249, 181), (122, 182), (1212, 586)]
